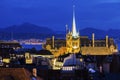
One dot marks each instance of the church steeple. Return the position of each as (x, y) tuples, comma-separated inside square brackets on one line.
[(74, 32), (73, 38)]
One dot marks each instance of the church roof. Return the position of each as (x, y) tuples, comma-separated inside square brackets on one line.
[(14, 74), (71, 60)]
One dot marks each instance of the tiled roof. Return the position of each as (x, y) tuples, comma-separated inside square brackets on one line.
[(14, 74)]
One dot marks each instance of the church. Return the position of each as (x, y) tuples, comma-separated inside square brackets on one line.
[(74, 43)]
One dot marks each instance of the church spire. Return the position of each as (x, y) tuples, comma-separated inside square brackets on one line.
[(74, 32)]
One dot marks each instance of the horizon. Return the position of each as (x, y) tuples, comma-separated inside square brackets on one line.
[(103, 14), (17, 25)]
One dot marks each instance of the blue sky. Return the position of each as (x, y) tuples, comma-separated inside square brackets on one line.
[(55, 14)]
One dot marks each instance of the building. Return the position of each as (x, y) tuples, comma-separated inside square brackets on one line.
[(74, 43), (18, 74), (72, 63), (14, 45), (14, 74)]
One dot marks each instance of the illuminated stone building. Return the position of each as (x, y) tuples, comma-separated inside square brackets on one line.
[(74, 43)]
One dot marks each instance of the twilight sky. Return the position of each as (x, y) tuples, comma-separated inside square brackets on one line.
[(101, 14)]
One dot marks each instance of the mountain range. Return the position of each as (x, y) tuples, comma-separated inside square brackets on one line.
[(28, 30)]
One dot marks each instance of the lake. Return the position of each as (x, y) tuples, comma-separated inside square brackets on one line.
[(37, 47)]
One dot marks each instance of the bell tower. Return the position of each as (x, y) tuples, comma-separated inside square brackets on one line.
[(73, 38)]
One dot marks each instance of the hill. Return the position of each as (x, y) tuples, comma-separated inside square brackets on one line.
[(28, 30), (25, 31)]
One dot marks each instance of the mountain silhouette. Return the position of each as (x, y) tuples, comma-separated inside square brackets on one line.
[(25, 31), (98, 33), (28, 30)]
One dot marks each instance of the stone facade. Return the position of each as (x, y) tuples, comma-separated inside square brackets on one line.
[(75, 44)]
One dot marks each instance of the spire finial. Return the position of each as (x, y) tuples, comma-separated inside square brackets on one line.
[(66, 28)]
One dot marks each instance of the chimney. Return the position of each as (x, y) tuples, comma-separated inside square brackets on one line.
[(53, 41), (93, 39), (34, 72), (106, 41)]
